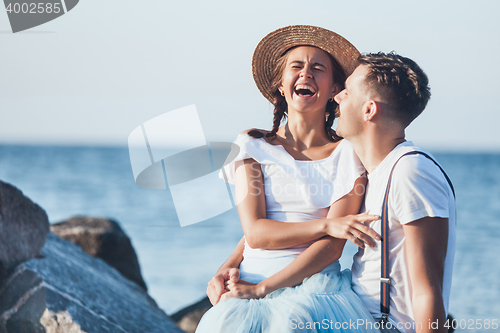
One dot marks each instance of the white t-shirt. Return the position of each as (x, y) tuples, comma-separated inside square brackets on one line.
[(418, 189)]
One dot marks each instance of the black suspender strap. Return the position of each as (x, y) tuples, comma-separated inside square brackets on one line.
[(384, 274)]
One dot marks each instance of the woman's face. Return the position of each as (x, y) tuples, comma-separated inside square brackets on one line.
[(307, 80)]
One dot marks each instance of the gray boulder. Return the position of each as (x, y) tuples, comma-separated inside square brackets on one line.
[(22, 302), (104, 239), (189, 317), (66, 290), (23, 228)]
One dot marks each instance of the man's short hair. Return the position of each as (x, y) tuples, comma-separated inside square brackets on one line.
[(399, 81)]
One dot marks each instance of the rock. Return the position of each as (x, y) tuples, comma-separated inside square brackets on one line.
[(104, 239), (189, 317), (22, 302), (25, 220), (69, 291), (60, 322)]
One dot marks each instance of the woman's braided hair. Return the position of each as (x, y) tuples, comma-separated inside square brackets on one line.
[(281, 107)]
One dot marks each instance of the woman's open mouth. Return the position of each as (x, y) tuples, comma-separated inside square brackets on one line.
[(304, 91)]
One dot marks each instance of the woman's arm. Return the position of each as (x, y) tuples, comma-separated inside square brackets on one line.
[(321, 253), (252, 211), (264, 233), (227, 272), (314, 259)]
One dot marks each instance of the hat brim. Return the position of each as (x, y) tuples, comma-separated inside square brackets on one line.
[(276, 43)]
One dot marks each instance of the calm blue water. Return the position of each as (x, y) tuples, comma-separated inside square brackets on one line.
[(178, 262)]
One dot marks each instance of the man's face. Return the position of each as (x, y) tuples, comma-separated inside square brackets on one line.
[(351, 101)]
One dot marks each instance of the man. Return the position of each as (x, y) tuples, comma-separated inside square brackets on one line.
[(382, 97)]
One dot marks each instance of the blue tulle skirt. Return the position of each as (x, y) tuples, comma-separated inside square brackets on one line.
[(324, 302)]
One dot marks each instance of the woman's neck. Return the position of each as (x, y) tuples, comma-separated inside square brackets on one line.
[(304, 130)]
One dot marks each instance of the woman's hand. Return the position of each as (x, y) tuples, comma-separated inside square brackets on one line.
[(243, 289), (217, 285), (352, 228)]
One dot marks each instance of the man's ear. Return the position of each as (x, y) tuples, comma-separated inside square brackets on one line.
[(370, 110)]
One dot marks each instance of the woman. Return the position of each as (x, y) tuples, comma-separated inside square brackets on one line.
[(301, 172)]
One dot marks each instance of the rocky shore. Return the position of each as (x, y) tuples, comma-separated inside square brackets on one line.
[(79, 275)]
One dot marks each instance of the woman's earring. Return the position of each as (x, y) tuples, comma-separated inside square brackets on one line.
[(331, 99), (282, 93)]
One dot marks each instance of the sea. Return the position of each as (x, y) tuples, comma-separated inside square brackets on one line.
[(177, 262)]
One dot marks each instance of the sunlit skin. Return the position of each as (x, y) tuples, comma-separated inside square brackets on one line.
[(365, 120), (307, 85), (309, 68), (350, 101)]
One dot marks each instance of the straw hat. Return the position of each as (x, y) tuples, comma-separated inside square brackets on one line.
[(276, 43)]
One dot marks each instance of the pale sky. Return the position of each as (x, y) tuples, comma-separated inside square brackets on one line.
[(96, 73)]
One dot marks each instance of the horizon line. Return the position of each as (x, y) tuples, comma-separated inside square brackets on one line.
[(472, 149)]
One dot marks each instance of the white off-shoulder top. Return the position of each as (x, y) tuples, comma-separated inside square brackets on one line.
[(295, 190)]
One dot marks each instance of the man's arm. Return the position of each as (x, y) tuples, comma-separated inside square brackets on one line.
[(426, 242)]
